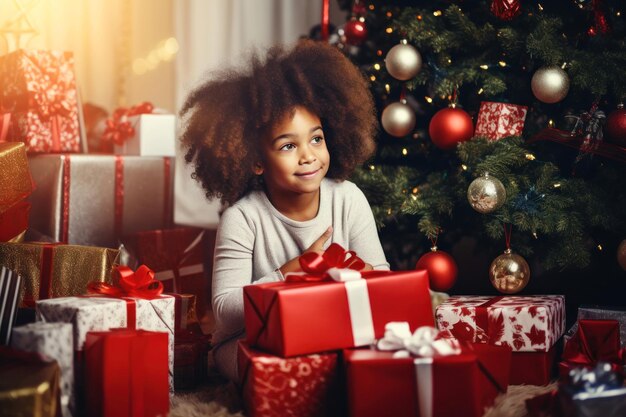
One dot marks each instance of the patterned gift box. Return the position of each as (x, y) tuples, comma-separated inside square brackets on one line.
[(499, 120), (178, 258), (355, 312), (154, 135), (15, 179), (303, 386), (55, 270), (100, 313), (39, 89), (95, 199), (29, 384), (190, 359), (10, 283), (126, 373), (385, 384), (525, 323), (55, 340)]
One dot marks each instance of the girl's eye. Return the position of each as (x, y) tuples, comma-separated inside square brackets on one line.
[(287, 147), (317, 139)]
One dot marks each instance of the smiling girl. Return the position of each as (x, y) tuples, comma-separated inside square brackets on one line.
[(276, 144)]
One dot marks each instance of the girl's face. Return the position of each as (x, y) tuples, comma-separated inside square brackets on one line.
[(295, 157)]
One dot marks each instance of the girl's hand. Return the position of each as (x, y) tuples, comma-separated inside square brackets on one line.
[(317, 246), (367, 267)]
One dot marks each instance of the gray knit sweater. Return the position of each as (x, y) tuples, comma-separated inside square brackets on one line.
[(254, 239)]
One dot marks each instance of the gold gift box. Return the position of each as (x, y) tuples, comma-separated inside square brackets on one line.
[(29, 386), (71, 268), (15, 180)]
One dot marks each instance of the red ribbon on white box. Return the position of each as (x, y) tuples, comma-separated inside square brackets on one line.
[(426, 342)]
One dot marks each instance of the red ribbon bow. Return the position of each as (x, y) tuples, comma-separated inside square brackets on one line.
[(119, 129), (139, 284), (316, 265)]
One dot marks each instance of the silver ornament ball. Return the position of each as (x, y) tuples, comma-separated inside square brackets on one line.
[(486, 194), (403, 62), (550, 84), (509, 273), (398, 119)]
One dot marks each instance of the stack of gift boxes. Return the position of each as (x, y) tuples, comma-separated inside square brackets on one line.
[(119, 341)]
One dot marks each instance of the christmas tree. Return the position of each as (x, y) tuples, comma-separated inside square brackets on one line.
[(527, 92)]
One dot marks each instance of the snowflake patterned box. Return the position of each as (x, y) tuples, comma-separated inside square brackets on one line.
[(100, 314), (55, 340), (499, 120), (284, 317), (525, 323), (39, 89), (303, 386)]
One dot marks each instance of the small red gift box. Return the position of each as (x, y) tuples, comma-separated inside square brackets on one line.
[(39, 89), (303, 386), (594, 341), (298, 318), (525, 323), (126, 373), (532, 368), (499, 120), (380, 384), (177, 256), (14, 222)]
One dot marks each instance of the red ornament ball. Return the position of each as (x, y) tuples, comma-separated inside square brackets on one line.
[(355, 32), (450, 126), (441, 267), (615, 127)]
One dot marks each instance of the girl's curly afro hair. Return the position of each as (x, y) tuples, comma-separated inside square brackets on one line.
[(227, 117)]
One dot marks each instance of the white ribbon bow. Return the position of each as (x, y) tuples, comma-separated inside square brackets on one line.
[(423, 342)]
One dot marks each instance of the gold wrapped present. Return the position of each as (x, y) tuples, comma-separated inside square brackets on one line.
[(15, 180), (94, 199), (29, 385), (51, 270)]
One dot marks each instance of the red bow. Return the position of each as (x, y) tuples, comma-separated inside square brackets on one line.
[(316, 265), (119, 129), (139, 284)]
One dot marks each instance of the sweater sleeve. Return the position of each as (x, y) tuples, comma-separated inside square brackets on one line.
[(232, 270), (363, 233)]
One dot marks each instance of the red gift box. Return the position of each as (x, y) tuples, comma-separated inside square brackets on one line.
[(532, 368), (126, 373), (39, 89), (14, 222), (499, 120), (380, 384), (177, 256), (298, 318), (303, 386), (594, 341)]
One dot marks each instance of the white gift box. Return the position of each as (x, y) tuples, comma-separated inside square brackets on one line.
[(54, 340), (525, 323), (155, 135), (100, 313)]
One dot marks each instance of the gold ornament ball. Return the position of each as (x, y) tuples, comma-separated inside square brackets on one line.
[(486, 194), (398, 119), (621, 254), (550, 84), (509, 273), (403, 62)]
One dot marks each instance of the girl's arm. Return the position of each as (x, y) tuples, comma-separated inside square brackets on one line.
[(232, 270), (363, 233)]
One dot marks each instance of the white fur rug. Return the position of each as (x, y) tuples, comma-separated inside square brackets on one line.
[(222, 400)]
